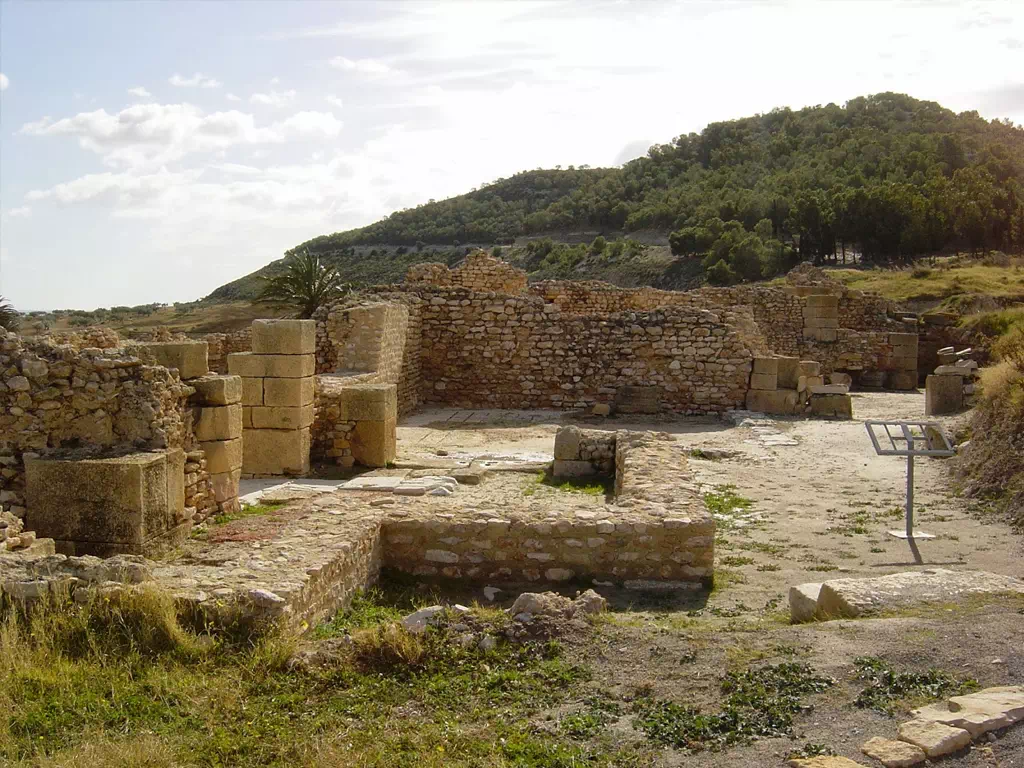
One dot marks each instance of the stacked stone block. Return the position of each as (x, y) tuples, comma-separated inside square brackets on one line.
[(903, 375), (788, 386), (277, 397), (356, 423), (950, 387), (581, 453), (218, 429), (821, 318)]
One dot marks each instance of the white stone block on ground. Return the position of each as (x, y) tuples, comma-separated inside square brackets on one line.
[(373, 483), (419, 620), (978, 713), (934, 738), (850, 598), (803, 601)]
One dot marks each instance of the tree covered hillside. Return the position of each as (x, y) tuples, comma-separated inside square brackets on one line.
[(886, 176)]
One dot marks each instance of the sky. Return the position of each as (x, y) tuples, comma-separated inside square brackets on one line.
[(152, 151)]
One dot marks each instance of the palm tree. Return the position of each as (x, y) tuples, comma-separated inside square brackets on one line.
[(306, 284), (8, 315)]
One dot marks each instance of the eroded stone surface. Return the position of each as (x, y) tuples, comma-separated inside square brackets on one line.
[(978, 713), (824, 762), (850, 598), (934, 738), (893, 754)]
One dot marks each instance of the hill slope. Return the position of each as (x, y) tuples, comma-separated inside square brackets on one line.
[(885, 176)]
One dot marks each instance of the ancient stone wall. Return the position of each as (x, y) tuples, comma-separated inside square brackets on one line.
[(91, 336), (56, 399), (372, 341), (223, 344), (479, 272), (495, 351), (355, 422)]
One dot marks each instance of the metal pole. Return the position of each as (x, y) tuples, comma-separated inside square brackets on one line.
[(910, 496)]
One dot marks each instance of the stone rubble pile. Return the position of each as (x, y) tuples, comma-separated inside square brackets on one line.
[(788, 386)]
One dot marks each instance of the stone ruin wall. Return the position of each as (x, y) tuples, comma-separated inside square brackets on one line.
[(656, 529), (223, 344), (496, 351), (479, 272), (58, 399)]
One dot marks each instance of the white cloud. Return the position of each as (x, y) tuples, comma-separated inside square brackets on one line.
[(232, 97), (276, 99), (198, 80), (139, 91), (312, 124), (361, 66), (4, 82), (20, 213), (152, 135), (335, 101)]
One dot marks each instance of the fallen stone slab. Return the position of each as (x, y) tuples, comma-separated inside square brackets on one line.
[(824, 762), (978, 713), (373, 483), (803, 601), (893, 754), (853, 598), (418, 621), (934, 738)]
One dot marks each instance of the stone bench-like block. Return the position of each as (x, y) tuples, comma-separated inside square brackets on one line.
[(222, 455), (132, 504), (572, 468), (369, 402), (766, 365), (288, 392), (374, 443), (833, 406), (189, 357), (217, 390), (251, 365), (943, 394), (567, 443), (783, 402), (222, 422), (275, 451), (764, 381), (284, 337), (268, 417)]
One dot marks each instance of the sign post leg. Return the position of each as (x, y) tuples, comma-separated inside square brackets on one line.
[(910, 496)]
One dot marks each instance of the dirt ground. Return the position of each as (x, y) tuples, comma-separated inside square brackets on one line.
[(820, 508)]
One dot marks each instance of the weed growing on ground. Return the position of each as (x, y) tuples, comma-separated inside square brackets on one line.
[(725, 504), (811, 750), (889, 690), (760, 702), (249, 510), (592, 486), (735, 560)]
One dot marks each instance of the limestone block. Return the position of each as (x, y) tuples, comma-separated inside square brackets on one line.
[(902, 381), (255, 366), (374, 443), (903, 339), (828, 389), (601, 409), (189, 357), (769, 365), (934, 738), (567, 468), (836, 406), (567, 443), (764, 381), (217, 390), (778, 401), (842, 379), (265, 417), (221, 422), (247, 416), (369, 402), (823, 761), (275, 451), (803, 601), (943, 394), (225, 485), (288, 392), (950, 370), (222, 455), (823, 302), (827, 335), (120, 504), (252, 391), (284, 337), (789, 372), (893, 754), (810, 368)]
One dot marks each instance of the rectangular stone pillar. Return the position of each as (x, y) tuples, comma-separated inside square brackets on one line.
[(943, 393), (277, 396)]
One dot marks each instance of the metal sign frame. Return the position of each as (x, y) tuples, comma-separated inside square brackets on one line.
[(901, 439)]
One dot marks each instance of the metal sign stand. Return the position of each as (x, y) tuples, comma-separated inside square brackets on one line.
[(901, 438)]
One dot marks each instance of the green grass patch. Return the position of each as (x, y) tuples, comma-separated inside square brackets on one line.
[(760, 703), (725, 504), (888, 690), (596, 485), (249, 510)]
